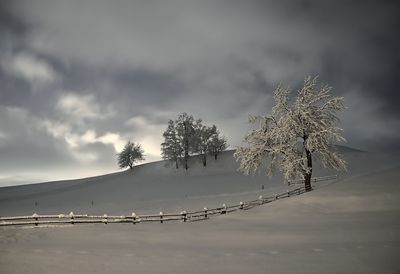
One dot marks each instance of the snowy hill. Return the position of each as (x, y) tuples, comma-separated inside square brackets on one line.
[(158, 186), (348, 226)]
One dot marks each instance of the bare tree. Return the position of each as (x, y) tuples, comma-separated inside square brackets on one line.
[(186, 136), (217, 144), (185, 133), (130, 154), (296, 133), (171, 148), (203, 137)]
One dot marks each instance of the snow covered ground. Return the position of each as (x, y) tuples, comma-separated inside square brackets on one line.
[(351, 225), (149, 188)]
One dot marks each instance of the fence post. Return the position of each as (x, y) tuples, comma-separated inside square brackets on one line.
[(223, 209), (36, 218), (184, 216), (261, 199), (71, 215), (241, 205), (161, 216), (133, 217), (205, 212), (105, 219)]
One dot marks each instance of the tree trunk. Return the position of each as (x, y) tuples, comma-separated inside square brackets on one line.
[(307, 182), (215, 156), (176, 163), (186, 156), (204, 160), (307, 175), (186, 144)]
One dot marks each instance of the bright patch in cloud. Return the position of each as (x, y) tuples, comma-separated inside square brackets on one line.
[(148, 134), (82, 106), (75, 140), (84, 157), (151, 147), (114, 139), (90, 137), (137, 121), (31, 68)]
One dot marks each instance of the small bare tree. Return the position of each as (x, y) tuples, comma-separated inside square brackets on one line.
[(202, 139), (217, 144), (185, 132), (129, 155), (171, 148), (296, 133)]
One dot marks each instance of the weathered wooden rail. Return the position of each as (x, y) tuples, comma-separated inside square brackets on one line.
[(184, 216), (314, 179)]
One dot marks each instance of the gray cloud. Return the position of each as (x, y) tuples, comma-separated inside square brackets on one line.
[(23, 141), (95, 74)]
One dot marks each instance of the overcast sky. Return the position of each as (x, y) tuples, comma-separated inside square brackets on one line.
[(80, 78)]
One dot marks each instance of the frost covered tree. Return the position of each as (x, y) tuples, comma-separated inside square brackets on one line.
[(187, 136), (185, 133), (217, 144), (130, 154), (296, 133), (171, 148), (202, 139), (179, 140)]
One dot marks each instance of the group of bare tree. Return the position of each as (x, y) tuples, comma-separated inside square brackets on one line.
[(183, 137), (187, 136)]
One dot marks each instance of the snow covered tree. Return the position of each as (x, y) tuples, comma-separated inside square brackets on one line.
[(295, 134), (129, 155), (185, 133), (186, 136), (217, 144), (202, 139), (171, 148)]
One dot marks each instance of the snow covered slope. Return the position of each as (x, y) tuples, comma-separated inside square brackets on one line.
[(158, 186), (349, 226)]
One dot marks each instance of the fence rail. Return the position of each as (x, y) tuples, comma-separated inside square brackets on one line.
[(314, 179), (184, 216)]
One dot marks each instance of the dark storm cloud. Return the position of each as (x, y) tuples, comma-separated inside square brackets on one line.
[(353, 46), (139, 86), (11, 27), (8, 95), (22, 141), (125, 92), (12, 33), (365, 51), (93, 74), (354, 42)]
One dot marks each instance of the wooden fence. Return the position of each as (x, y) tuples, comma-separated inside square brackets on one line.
[(313, 180), (183, 216)]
